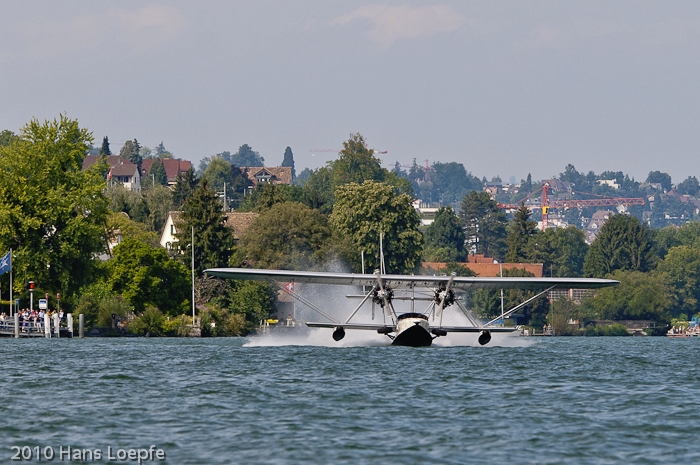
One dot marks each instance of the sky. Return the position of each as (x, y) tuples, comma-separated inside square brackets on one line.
[(504, 87)]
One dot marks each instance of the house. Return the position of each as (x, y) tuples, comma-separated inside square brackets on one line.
[(268, 174), (486, 266), (597, 221), (120, 171), (173, 167), (608, 182), (238, 222)]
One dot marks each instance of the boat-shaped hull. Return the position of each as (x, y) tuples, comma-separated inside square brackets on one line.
[(413, 333)]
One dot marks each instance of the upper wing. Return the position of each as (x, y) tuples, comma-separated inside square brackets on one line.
[(406, 281)]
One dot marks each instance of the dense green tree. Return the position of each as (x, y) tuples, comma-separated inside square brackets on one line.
[(289, 236), (362, 212), (158, 173), (356, 163), (444, 238), (451, 182), (265, 195), (246, 156), (662, 178), (303, 177), (159, 202), (52, 213), (131, 150), (562, 251), (319, 190), (682, 265), (484, 225), (162, 152), (144, 275), (623, 243), (520, 231), (220, 172), (120, 225), (185, 185), (7, 136), (213, 240), (104, 150), (289, 161), (639, 296), (690, 186), (672, 236)]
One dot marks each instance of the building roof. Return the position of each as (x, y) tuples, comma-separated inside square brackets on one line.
[(489, 269), (279, 174), (240, 221), (173, 167)]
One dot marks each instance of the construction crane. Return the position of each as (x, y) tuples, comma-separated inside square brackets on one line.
[(546, 204), (381, 152)]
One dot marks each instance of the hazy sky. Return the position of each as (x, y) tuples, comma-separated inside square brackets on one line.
[(504, 87)]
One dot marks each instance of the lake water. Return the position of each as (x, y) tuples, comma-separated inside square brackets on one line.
[(260, 401)]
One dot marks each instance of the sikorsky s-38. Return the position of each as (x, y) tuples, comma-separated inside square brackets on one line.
[(412, 328)]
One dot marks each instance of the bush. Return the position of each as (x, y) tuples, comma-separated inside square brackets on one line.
[(225, 323), (150, 322)]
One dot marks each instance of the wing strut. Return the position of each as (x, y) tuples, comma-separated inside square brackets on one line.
[(518, 307), (369, 294)]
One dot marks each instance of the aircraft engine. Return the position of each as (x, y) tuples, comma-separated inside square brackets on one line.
[(484, 337), (338, 333)]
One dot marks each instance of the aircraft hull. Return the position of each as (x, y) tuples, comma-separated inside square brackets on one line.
[(413, 334)]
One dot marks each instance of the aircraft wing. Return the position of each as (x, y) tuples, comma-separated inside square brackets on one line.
[(476, 329), (407, 281), (368, 326)]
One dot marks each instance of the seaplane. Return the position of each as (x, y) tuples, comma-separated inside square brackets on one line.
[(412, 328)]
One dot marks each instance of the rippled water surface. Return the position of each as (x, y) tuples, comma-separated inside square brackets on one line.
[(556, 400)]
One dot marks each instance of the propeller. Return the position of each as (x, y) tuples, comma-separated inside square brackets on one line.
[(445, 298)]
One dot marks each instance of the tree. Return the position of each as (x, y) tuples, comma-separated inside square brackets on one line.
[(185, 185), (6, 137), (158, 172), (246, 156), (265, 195), (144, 275), (105, 151), (520, 231), (682, 265), (661, 178), (52, 213), (623, 243), (484, 224), (362, 212), (131, 150), (451, 182), (562, 251), (690, 186), (213, 240), (444, 238), (356, 163), (672, 236), (639, 296), (119, 224), (289, 161), (287, 236), (162, 152)]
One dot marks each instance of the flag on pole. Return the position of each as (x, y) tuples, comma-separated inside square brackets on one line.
[(6, 263), (109, 175)]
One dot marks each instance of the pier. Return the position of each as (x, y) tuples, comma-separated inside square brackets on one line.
[(50, 327)]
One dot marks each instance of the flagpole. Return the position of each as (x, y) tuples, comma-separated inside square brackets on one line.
[(11, 301)]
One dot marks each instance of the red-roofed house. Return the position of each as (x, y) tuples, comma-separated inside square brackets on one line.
[(268, 174), (122, 171), (173, 167)]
